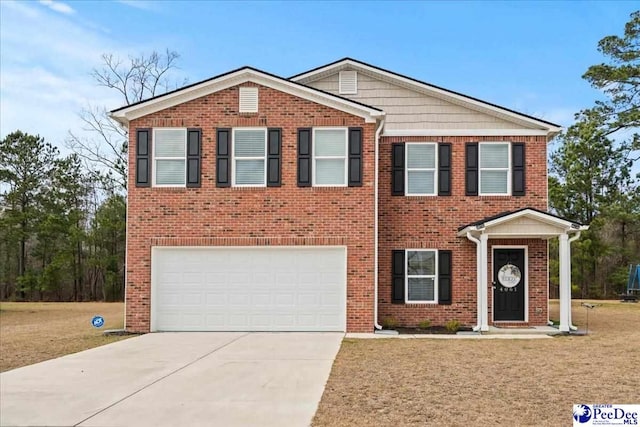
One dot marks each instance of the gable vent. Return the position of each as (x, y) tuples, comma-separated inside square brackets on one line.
[(348, 82), (248, 99)]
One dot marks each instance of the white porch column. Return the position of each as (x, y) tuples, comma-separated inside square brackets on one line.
[(484, 300), (565, 282)]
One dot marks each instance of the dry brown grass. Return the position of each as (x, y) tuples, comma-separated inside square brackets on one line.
[(33, 332), (486, 382)]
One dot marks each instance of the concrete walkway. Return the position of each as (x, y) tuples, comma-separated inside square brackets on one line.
[(469, 336), (176, 379)]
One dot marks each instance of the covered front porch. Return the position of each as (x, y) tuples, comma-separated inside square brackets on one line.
[(511, 263)]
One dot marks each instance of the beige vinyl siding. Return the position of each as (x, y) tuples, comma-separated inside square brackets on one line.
[(524, 225), (409, 109)]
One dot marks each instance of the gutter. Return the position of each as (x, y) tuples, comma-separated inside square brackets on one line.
[(376, 325), (478, 280)]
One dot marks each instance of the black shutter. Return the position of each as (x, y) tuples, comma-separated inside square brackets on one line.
[(444, 277), (355, 157), (194, 156), (274, 153), (223, 158), (518, 160), (397, 167), (444, 169), (397, 271), (304, 157), (471, 169), (143, 157)]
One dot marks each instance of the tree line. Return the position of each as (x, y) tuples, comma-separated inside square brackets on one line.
[(63, 219), (592, 175), (60, 238)]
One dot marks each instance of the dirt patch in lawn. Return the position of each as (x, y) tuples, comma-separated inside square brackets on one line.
[(33, 332), (394, 382)]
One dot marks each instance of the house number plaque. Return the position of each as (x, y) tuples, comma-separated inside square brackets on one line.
[(509, 275)]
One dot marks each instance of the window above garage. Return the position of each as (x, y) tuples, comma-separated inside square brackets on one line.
[(249, 157), (169, 157)]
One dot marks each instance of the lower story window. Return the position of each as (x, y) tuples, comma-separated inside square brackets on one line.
[(421, 268)]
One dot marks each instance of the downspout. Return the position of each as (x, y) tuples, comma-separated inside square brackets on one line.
[(571, 239), (479, 282), (376, 325)]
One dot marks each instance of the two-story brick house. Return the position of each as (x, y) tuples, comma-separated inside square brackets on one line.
[(333, 199)]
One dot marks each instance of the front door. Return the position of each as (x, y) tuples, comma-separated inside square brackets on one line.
[(509, 289)]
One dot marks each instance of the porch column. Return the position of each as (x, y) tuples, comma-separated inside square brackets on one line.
[(484, 300), (565, 282)]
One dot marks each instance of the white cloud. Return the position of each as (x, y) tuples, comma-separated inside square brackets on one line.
[(58, 6), (139, 4), (45, 74)]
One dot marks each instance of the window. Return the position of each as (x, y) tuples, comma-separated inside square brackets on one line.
[(495, 176), (169, 157), (330, 157), (348, 83), (421, 167), (249, 154), (421, 269), (248, 100)]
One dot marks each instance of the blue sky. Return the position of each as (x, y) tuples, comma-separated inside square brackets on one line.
[(528, 56)]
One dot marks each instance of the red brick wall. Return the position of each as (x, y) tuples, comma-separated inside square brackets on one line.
[(433, 221), (287, 215)]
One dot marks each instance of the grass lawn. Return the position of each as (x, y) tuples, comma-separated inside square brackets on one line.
[(33, 332), (391, 382)]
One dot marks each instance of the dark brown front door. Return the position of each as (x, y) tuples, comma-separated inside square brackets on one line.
[(509, 277)]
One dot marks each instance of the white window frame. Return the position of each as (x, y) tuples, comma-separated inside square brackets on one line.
[(155, 159), (345, 157), (407, 169), (508, 168), (406, 277), (234, 169)]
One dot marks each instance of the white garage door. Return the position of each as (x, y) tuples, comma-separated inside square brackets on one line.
[(248, 289)]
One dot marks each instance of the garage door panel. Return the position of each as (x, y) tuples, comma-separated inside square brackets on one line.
[(192, 300), (308, 300), (239, 277), (330, 299), (285, 300), (215, 299), (192, 278), (237, 289)]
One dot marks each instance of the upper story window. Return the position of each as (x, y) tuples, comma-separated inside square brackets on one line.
[(421, 169), (249, 157), (421, 276), (495, 168), (248, 100), (169, 157), (329, 157), (348, 83)]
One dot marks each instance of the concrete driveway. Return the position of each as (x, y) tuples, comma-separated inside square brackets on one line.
[(176, 379)]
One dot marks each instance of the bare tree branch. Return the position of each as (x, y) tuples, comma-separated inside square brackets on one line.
[(135, 79)]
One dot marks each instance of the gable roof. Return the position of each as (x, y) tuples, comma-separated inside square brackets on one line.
[(235, 77), (429, 89), (510, 215)]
